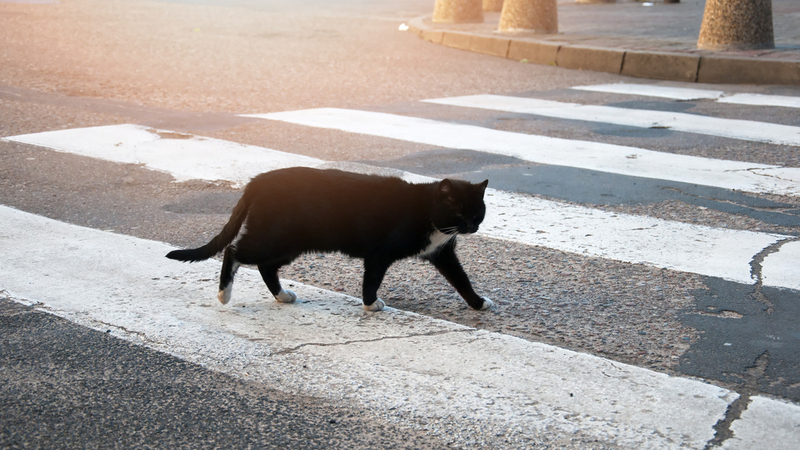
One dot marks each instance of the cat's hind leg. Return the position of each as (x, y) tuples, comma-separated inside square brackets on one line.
[(269, 272), (374, 271), (229, 267)]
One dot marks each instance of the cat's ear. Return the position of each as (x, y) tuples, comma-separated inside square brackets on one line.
[(445, 192), (482, 187), (445, 187)]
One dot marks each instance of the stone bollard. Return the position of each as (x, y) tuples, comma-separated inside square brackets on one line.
[(540, 16), (457, 11), (493, 5), (736, 25)]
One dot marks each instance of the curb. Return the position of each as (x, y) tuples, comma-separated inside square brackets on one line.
[(642, 64)]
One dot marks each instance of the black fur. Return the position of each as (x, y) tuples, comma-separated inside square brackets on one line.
[(293, 211)]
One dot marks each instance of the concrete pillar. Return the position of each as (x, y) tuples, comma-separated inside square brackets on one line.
[(458, 11), (540, 16), (736, 25), (493, 5)]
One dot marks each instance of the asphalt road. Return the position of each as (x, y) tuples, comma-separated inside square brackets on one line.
[(194, 66), (67, 386)]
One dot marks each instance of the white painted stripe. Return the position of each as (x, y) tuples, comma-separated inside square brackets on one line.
[(520, 218), (677, 93), (650, 90), (326, 346), (767, 424), (782, 268), (749, 177), (184, 156), (690, 123), (678, 246), (762, 100)]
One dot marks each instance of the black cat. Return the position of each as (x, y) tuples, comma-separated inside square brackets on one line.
[(288, 212)]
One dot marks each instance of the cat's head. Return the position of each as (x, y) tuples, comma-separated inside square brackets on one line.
[(458, 206)]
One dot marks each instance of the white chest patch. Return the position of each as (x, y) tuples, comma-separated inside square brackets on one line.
[(438, 239)]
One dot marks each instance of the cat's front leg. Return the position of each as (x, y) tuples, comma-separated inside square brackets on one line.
[(446, 262), (374, 271), (270, 275)]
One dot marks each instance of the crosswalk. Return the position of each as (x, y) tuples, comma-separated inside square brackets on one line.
[(618, 159), (271, 350), (723, 253), (516, 217), (672, 245), (746, 130)]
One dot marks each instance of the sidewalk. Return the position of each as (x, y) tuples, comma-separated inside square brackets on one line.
[(632, 39)]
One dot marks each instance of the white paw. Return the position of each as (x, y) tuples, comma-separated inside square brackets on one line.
[(377, 306), (486, 304), (286, 297), (224, 296)]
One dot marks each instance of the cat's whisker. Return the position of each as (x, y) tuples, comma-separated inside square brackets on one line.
[(450, 231)]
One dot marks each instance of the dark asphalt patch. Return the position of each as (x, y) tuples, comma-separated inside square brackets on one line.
[(205, 203), (738, 333), (654, 105)]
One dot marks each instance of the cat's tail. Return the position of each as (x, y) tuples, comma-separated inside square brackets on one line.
[(220, 241)]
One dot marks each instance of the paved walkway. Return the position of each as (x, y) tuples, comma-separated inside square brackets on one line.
[(649, 40)]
